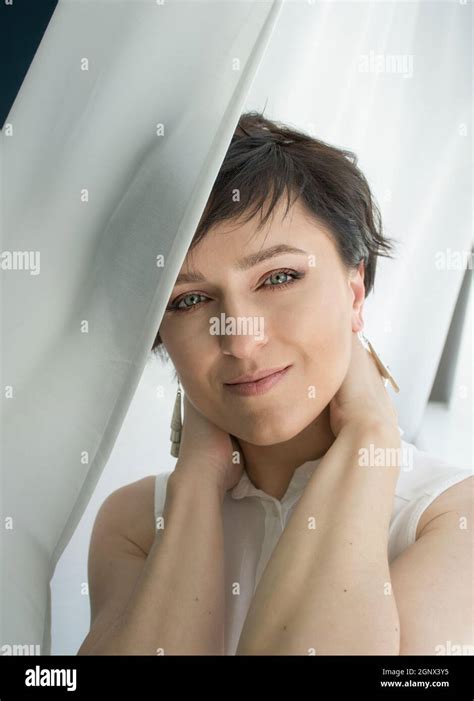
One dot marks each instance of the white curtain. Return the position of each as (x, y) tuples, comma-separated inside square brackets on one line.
[(94, 186)]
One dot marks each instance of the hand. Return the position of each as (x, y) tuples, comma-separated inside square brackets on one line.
[(362, 398), (208, 451)]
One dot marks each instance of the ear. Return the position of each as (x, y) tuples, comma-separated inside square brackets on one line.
[(356, 283)]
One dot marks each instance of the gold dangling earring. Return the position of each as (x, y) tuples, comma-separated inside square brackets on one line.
[(176, 424), (383, 369)]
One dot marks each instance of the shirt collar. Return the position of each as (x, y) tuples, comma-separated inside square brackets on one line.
[(246, 488)]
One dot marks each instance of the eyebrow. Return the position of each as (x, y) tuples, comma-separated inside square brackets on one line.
[(245, 263)]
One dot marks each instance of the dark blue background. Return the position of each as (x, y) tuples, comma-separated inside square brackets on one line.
[(22, 26)]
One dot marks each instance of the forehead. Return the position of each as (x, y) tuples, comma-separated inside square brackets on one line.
[(232, 240)]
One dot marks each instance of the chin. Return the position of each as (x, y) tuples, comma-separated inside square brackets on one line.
[(272, 431)]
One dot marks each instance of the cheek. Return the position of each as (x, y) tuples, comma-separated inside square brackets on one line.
[(326, 340)]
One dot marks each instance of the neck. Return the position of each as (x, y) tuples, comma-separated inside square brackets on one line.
[(271, 467)]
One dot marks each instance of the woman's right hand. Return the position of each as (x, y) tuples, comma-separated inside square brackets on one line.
[(207, 451)]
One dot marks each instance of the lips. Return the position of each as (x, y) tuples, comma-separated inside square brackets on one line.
[(257, 387), (255, 376)]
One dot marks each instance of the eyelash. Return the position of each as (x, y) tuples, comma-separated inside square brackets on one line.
[(296, 275)]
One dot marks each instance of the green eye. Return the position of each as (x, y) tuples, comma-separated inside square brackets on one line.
[(293, 276)]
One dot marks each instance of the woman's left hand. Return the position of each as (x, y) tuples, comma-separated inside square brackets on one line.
[(362, 399)]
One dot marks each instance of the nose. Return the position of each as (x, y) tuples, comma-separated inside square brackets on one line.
[(241, 335)]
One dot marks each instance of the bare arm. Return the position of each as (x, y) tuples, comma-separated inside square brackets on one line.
[(327, 588), (172, 601)]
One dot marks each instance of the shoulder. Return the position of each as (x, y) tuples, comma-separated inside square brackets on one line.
[(425, 575), (122, 536), (128, 511), (456, 500), (428, 486)]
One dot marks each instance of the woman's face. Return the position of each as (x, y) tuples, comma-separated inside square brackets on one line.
[(306, 324)]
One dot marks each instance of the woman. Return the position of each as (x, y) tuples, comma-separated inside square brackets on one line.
[(286, 526)]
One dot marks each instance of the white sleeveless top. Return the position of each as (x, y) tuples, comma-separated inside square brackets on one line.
[(253, 522)]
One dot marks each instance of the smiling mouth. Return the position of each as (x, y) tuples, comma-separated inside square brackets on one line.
[(258, 387)]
